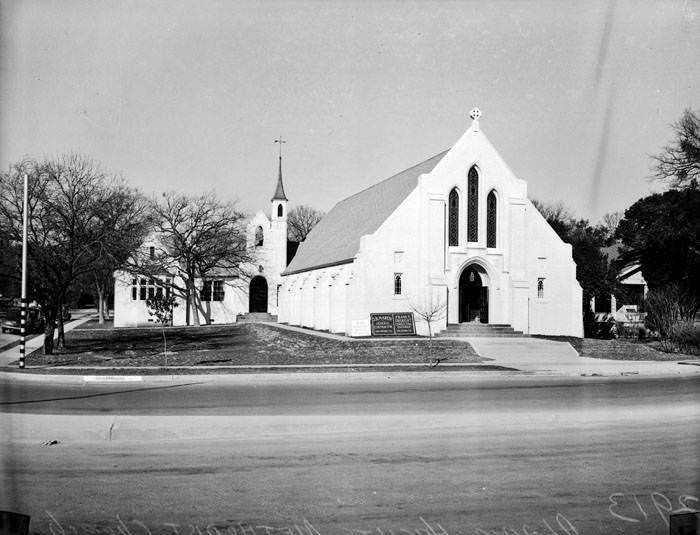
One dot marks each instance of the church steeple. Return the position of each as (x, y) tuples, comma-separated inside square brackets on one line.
[(279, 192)]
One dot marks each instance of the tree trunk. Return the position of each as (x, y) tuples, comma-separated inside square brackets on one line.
[(188, 296), (165, 345), (105, 303), (192, 302), (100, 304), (430, 342), (49, 328), (61, 339)]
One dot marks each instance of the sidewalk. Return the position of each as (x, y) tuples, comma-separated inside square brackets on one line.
[(536, 355), (11, 355)]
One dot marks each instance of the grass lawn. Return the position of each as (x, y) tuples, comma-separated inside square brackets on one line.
[(242, 344)]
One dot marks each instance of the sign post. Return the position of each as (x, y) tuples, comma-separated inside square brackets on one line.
[(23, 315)]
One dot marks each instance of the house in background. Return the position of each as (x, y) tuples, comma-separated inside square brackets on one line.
[(456, 229), (626, 306), (221, 297)]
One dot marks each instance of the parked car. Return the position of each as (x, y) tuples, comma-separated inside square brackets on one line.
[(12, 321)]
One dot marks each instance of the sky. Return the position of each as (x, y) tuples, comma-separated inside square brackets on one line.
[(190, 95)]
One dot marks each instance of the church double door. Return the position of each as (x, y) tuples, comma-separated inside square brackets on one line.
[(473, 298)]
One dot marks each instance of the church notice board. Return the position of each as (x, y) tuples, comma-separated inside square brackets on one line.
[(392, 324)]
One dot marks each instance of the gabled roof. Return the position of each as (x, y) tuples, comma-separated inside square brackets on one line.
[(336, 238)]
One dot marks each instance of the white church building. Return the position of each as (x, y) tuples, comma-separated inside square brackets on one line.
[(456, 230), (220, 298)]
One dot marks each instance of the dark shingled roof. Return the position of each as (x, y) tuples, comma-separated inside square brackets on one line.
[(336, 238)]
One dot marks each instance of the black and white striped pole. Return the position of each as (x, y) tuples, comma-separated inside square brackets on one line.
[(23, 317)]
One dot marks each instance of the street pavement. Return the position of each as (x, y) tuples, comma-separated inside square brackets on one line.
[(357, 454)]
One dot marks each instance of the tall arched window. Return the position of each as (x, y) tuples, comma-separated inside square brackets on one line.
[(259, 236), (491, 219), (453, 218), (280, 210), (473, 205)]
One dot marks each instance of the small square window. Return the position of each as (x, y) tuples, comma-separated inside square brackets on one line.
[(205, 294), (218, 293)]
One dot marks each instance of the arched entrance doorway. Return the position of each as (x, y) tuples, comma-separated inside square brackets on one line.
[(473, 296), (257, 295)]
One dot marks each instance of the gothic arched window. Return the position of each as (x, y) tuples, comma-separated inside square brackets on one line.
[(491, 219), (258, 236), (397, 283), (453, 218), (280, 210), (473, 205)]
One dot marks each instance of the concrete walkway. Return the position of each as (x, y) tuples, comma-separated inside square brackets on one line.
[(310, 332), (536, 355), (11, 355)]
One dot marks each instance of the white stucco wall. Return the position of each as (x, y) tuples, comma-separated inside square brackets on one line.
[(270, 261), (413, 241), (129, 312)]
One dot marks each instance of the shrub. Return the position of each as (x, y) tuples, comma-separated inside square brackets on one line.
[(666, 307), (686, 337)]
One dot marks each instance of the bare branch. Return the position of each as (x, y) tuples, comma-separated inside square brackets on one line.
[(300, 220)]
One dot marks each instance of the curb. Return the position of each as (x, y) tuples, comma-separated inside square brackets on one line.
[(137, 373)]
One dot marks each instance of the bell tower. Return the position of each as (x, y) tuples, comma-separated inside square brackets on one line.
[(279, 199), (278, 218)]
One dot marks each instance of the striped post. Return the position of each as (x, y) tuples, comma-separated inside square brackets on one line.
[(23, 317), (22, 332)]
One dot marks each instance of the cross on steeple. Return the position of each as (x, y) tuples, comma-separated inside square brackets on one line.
[(280, 141)]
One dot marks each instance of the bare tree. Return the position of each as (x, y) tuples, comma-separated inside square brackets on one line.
[(68, 233), (195, 238), (679, 162), (126, 217), (300, 220), (610, 222), (612, 219), (430, 311), (162, 306), (553, 211)]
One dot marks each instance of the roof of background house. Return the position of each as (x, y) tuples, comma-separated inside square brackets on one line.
[(335, 239), (612, 251)]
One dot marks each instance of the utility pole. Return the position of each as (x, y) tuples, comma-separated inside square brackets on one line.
[(23, 316)]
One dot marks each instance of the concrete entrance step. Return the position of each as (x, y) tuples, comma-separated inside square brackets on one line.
[(469, 330), (255, 317)]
